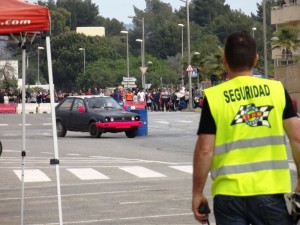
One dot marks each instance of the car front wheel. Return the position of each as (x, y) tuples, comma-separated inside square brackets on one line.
[(94, 131), (131, 133), (60, 129)]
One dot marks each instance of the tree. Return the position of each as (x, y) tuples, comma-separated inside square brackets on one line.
[(287, 39)]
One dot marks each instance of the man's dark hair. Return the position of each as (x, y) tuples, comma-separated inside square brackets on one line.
[(240, 51)]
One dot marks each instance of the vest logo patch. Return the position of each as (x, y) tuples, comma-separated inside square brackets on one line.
[(253, 116)]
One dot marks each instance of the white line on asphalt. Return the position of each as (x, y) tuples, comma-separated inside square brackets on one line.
[(3, 124), (32, 176), (73, 154), (163, 122), (124, 218), (88, 174), (139, 160), (187, 169), (27, 124), (141, 172), (47, 124)]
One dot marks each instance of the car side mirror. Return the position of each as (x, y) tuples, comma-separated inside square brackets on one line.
[(81, 109)]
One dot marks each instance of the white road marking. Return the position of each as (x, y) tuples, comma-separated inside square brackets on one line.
[(32, 176), (73, 154), (164, 122), (3, 125), (27, 124), (185, 121), (187, 169), (88, 174), (141, 172), (47, 124)]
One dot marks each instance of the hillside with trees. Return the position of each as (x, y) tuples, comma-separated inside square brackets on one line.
[(211, 21)]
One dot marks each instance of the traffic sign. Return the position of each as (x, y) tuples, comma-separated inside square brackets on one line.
[(189, 68), (129, 79), (131, 86), (128, 82), (144, 69)]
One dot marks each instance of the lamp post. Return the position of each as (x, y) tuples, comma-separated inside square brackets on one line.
[(126, 32), (83, 49), (38, 80), (198, 82), (253, 30), (181, 25), (141, 41), (143, 69), (189, 51), (265, 38)]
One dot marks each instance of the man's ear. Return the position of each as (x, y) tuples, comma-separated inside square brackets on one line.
[(255, 60)]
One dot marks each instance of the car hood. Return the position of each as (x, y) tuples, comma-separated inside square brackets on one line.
[(115, 113)]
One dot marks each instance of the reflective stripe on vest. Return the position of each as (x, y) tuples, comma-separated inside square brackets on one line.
[(251, 167), (274, 140)]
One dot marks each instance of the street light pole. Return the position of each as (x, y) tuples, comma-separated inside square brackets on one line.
[(189, 51), (126, 32), (143, 69), (181, 25), (38, 81), (141, 41), (265, 38), (83, 49), (253, 30)]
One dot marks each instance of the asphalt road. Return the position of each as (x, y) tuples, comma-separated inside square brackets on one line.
[(110, 180)]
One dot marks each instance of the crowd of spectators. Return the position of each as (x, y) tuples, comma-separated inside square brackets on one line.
[(156, 99)]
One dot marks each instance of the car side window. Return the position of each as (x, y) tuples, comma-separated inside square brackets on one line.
[(77, 104), (66, 105)]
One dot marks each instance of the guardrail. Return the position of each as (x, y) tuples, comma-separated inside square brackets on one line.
[(30, 108)]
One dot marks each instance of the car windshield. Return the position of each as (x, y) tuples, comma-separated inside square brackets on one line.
[(102, 103)]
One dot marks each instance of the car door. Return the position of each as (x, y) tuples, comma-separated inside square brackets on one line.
[(63, 112), (78, 118)]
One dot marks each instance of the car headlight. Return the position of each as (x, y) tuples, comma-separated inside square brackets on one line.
[(137, 118), (107, 119), (112, 119), (132, 118)]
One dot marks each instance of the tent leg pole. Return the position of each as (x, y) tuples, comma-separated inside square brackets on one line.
[(23, 128), (54, 161)]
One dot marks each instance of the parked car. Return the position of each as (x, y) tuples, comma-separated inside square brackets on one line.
[(96, 115)]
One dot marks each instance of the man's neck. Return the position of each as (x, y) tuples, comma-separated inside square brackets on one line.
[(233, 74)]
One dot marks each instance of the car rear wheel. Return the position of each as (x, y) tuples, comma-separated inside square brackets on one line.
[(131, 133), (0, 148), (94, 131), (60, 129)]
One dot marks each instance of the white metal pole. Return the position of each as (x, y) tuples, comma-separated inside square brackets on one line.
[(189, 53), (55, 161), (182, 81), (38, 80), (127, 57), (23, 129), (265, 39), (143, 54)]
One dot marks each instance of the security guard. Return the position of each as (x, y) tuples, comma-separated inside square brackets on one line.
[(241, 141)]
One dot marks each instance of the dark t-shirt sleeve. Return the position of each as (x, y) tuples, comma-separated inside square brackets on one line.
[(207, 123), (208, 126), (289, 110)]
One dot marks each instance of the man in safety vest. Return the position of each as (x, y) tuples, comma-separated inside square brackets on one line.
[(241, 142)]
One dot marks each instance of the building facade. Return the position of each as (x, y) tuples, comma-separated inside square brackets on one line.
[(287, 62)]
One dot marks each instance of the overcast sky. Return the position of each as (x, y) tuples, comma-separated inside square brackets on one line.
[(121, 9)]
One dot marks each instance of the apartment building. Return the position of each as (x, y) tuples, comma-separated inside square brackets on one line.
[(287, 64)]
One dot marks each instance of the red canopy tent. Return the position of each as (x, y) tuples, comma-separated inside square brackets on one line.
[(24, 21)]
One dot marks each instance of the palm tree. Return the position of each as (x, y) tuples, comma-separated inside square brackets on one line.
[(286, 37)]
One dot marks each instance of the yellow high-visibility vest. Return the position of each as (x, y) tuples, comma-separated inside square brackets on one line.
[(250, 148)]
